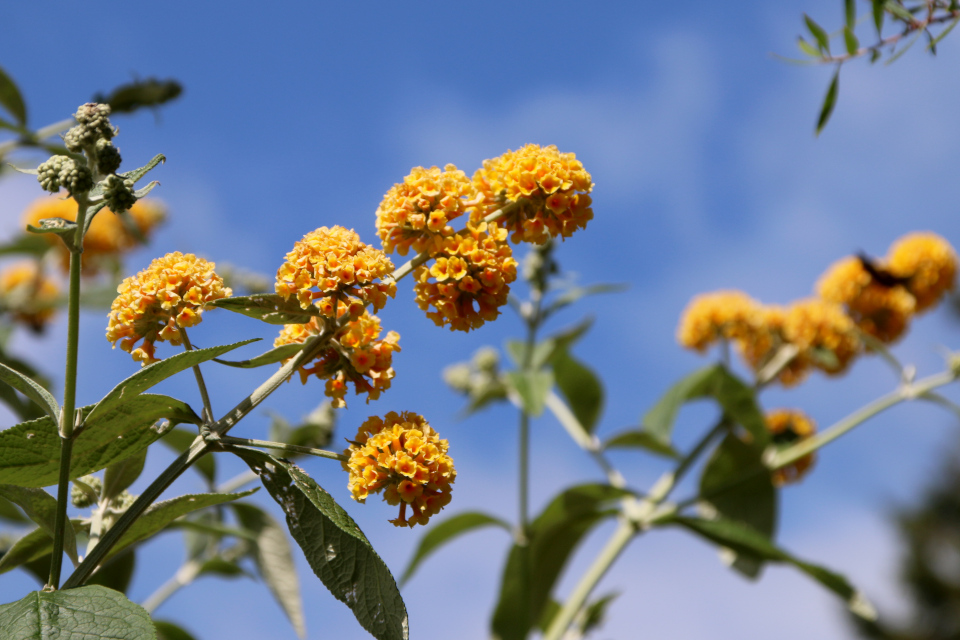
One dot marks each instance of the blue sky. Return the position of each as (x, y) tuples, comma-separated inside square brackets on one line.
[(707, 176)]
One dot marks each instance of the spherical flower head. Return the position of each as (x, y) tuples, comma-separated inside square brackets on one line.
[(357, 355), (760, 339), (422, 206), (824, 334), (549, 187), (118, 193), (928, 263), (403, 457), (48, 173), (75, 177), (92, 125), (29, 295), (788, 427), (329, 268), (107, 237), (469, 278), (108, 157), (720, 314), (155, 304), (880, 310)]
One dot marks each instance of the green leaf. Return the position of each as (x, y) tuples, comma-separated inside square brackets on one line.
[(157, 372), (878, 15), (268, 307), (170, 631), (31, 389), (119, 476), (41, 507), (85, 612), (446, 531), (10, 512), (641, 440), (33, 546), (274, 561), (850, 40), (899, 11), (735, 398), (27, 244), (736, 486), (573, 294), (595, 613), (337, 551), (30, 451), (10, 98), (158, 516), (580, 386), (138, 94), (64, 229), (745, 540), (943, 34), (807, 48), (553, 537), (137, 174), (545, 350), (850, 14), (116, 572), (180, 440), (532, 387), (829, 102), (221, 567), (904, 49), (270, 357), (823, 40)]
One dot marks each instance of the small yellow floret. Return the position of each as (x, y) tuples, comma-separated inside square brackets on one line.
[(790, 426), (402, 456), (720, 314), (550, 187), (168, 295), (929, 264), (818, 326), (28, 294)]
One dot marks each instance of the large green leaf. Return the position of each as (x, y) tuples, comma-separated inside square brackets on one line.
[(735, 398), (268, 307), (10, 512), (10, 98), (553, 537), (30, 451), (119, 476), (31, 389), (32, 546), (75, 614), (335, 548), (736, 485), (158, 372), (274, 560), (580, 386), (116, 572), (446, 531), (744, 540), (532, 387), (269, 357), (41, 507)]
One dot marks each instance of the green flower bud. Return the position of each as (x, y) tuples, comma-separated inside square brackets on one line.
[(486, 359), (79, 497), (75, 177), (92, 125), (118, 193), (108, 157), (123, 501), (458, 377), (48, 173)]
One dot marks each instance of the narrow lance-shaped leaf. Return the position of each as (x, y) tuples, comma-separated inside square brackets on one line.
[(447, 531), (10, 98), (273, 356), (268, 307), (851, 41), (41, 507), (31, 389), (337, 551), (635, 439), (119, 476), (580, 386), (86, 612), (32, 546), (850, 13), (829, 102), (807, 48), (823, 40)]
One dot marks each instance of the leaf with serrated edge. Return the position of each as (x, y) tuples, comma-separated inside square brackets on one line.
[(85, 612), (274, 560), (446, 531), (268, 307), (30, 451), (31, 389), (270, 357), (41, 507), (337, 551), (157, 372)]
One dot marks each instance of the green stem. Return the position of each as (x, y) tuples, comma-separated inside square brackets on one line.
[(281, 446), (67, 417), (586, 441), (186, 574), (207, 407), (41, 134)]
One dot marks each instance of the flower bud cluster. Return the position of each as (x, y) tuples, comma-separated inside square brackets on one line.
[(48, 173), (789, 427), (80, 498), (118, 193), (93, 124), (478, 379), (108, 157)]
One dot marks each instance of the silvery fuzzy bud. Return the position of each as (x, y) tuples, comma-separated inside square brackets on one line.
[(118, 193), (486, 359), (80, 498), (92, 125), (48, 173), (75, 177), (108, 157), (123, 501)]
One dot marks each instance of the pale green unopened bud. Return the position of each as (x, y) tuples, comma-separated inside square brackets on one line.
[(486, 359), (108, 157), (458, 377), (48, 173), (92, 125), (80, 497), (118, 193), (75, 177), (123, 501)]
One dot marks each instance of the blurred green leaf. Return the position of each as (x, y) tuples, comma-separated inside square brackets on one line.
[(850, 14), (595, 613), (41, 507), (823, 40), (943, 34), (10, 512), (268, 307), (116, 572), (138, 94), (808, 48), (850, 40), (84, 612), (27, 244), (447, 531), (30, 389), (270, 357), (10, 98), (636, 439), (899, 11), (223, 568), (573, 294), (119, 476), (829, 102), (580, 386), (532, 387), (170, 631), (33, 546), (180, 440), (904, 49)]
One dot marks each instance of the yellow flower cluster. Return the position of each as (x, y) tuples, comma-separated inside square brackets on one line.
[(549, 187), (788, 427), (402, 456), (356, 355), (721, 314), (107, 236), (423, 206), (928, 264), (154, 304), (469, 279), (330, 268), (28, 294)]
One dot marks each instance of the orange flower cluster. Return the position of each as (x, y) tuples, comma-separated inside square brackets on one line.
[(330, 268), (928, 264), (107, 237), (422, 206), (404, 457), (469, 279), (28, 294), (721, 314), (356, 355), (549, 187), (788, 427), (154, 304)]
